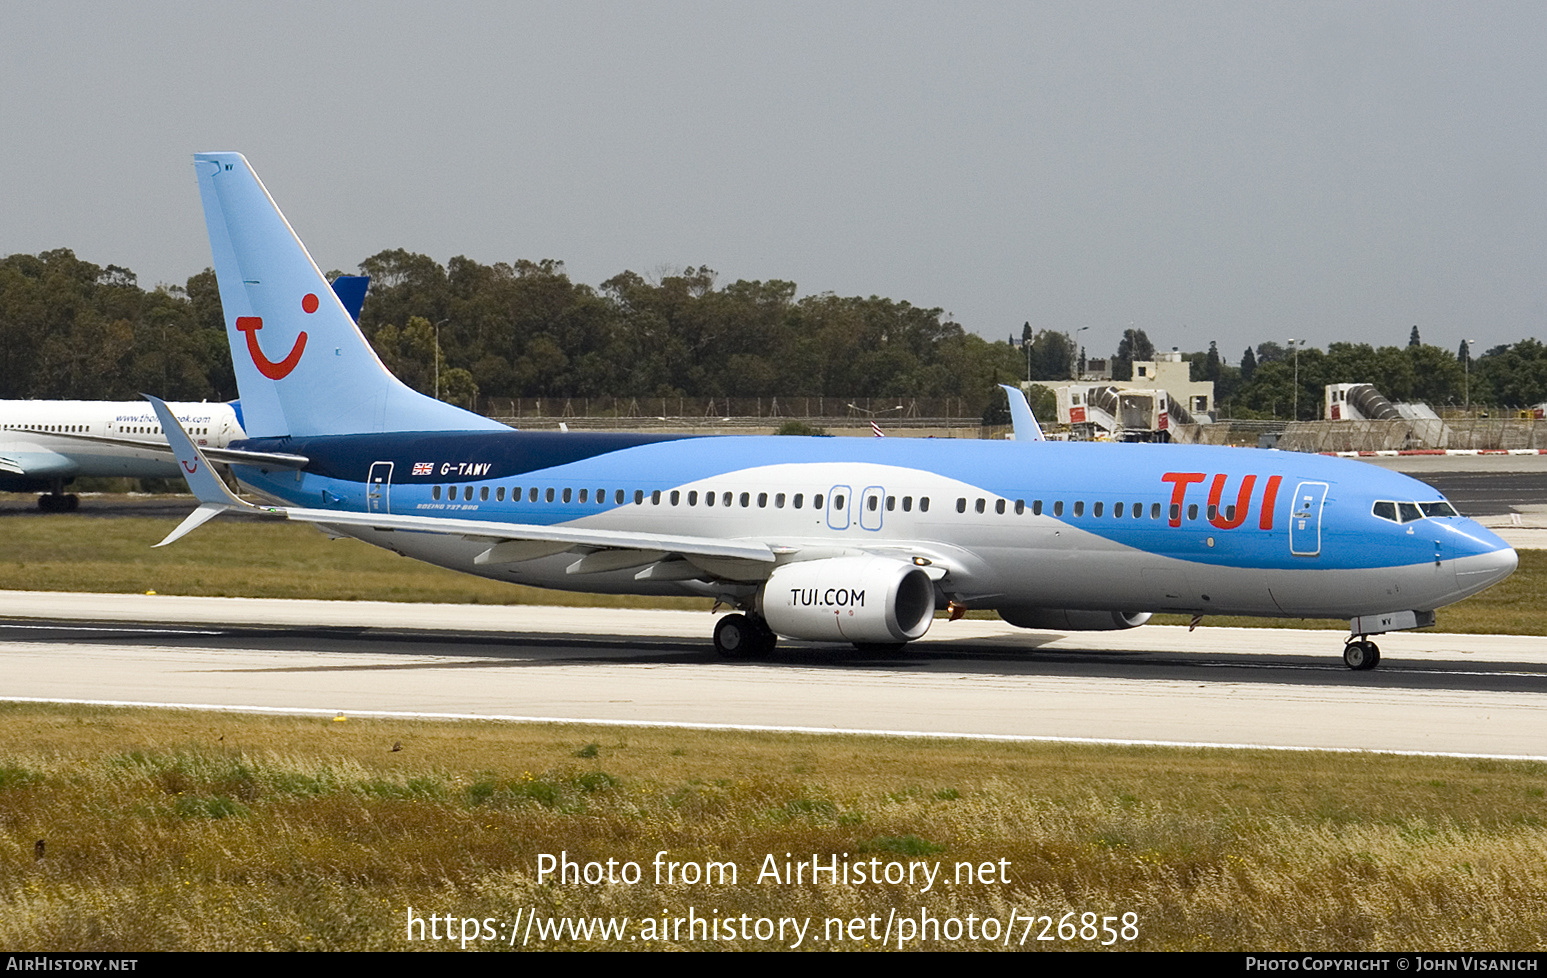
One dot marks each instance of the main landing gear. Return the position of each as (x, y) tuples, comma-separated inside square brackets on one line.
[(1361, 655), (59, 502), (741, 636)]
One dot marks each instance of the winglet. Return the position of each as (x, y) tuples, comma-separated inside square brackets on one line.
[(1022, 420), (211, 491)]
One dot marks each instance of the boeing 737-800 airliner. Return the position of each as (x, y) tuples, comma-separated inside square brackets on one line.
[(824, 539)]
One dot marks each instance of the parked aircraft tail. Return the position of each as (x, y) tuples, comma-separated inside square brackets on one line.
[(1023, 423), (302, 365)]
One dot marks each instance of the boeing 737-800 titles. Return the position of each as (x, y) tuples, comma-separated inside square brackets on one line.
[(823, 539)]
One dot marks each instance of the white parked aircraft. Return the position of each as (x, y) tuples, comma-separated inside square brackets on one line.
[(45, 445)]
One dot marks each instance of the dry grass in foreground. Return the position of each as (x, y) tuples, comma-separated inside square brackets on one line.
[(169, 830)]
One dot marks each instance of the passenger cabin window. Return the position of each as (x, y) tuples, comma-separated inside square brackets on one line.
[(435, 494), (1079, 507), (961, 504), (923, 504)]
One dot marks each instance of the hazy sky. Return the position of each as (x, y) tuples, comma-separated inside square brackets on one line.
[(1235, 172)]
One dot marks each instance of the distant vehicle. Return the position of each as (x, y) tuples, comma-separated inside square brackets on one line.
[(855, 540)]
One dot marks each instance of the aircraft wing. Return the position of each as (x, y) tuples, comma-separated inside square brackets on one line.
[(227, 456), (39, 464), (214, 498)]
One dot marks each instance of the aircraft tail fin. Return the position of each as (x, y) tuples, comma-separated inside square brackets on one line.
[(302, 365), (1022, 421)]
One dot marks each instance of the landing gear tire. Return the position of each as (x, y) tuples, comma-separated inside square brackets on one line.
[(59, 502), (1361, 656), (743, 637)]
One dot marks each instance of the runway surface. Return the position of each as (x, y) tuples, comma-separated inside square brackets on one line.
[(1281, 688)]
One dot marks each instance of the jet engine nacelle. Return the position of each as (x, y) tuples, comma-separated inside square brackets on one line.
[(866, 600), (1072, 620)]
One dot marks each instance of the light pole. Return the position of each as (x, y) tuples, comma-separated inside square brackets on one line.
[(437, 356), (1467, 385), (1294, 344), (1076, 347)]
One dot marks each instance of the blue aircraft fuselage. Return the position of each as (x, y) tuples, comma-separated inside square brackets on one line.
[(1047, 524)]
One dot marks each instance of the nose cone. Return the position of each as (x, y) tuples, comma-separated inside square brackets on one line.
[(1482, 558)]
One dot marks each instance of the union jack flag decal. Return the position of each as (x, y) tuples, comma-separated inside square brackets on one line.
[(424, 468)]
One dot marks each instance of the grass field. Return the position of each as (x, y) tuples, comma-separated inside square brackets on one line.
[(187, 831), (286, 560)]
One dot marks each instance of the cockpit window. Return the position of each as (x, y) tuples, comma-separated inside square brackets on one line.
[(1401, 512)]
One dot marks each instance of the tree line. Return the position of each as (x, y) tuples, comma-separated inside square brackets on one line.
[(466, 330)]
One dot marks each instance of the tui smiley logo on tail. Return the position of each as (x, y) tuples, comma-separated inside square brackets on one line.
[(275, 370)]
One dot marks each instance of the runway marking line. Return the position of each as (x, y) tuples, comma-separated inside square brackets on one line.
[(760, 728)]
